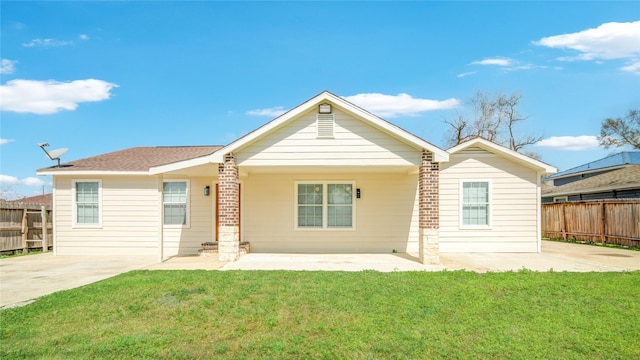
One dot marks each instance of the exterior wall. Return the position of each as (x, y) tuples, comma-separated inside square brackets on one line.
[(201, 228), (354, 144), (513, 209), (386, 214), (131, 218)]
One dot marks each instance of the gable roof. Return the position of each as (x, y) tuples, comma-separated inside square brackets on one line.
[(505, 152), (611, 161), (325, 96), (133, 160), (623, 178)]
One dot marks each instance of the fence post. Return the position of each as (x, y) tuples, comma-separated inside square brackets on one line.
[(563, 224), (43, 216), (603, 221), (25, 231)]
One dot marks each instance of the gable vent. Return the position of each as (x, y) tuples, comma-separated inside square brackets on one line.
[(325, 125)]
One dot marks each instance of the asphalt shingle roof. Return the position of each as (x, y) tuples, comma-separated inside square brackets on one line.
[(615, 160), (135, 159), (44, 199), (615, 179)]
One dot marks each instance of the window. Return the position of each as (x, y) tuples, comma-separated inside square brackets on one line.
[(560, 199), (324, 205), (174, 199), (476, 207), (86, 198)]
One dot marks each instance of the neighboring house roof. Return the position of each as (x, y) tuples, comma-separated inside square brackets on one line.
[(505, 152), (44, 199), (133, 160), (612, 161), (624, 178), (383, 125)]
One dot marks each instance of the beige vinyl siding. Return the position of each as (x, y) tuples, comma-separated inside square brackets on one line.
[(386, 214), (354, 144), (513, 204), (132, 218), (130, 221), (187, 240)]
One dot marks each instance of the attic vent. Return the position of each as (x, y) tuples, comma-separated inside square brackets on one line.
[(325, 125)]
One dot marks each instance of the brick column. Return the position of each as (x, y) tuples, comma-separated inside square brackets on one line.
[(228, 211), (428, 179)]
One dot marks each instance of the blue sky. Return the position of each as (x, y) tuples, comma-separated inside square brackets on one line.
[(97, 77)]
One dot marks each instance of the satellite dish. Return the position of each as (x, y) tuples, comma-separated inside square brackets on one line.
[(53, 154)]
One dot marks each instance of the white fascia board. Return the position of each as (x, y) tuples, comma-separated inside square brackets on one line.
[(513, 155), (90, 172), (218, 156), (179, 165), (439, 154)]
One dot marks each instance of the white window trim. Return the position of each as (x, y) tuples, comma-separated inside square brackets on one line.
[(324, 206), (560, 199), (188, 205), (489, 226), (74, 211)]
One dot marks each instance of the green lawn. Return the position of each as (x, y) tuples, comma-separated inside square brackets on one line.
[(333, 315)]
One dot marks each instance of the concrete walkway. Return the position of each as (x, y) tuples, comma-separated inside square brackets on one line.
[(25, 278), (555, 256)]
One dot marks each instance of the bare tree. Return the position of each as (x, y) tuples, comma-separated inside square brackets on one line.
[(495, 118), (621, 131)]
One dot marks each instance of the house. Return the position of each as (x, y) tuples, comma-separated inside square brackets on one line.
[(613, 177), (325, 177), (43, 200)]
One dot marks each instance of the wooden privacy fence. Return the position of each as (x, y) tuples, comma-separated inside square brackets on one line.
[(602, 221), (25, 226)]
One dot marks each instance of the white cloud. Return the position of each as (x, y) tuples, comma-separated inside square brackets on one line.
[(632, 68), (6, 141), (12, 180), (572, 143), (494, 61), (399, 105), (47, 43), (7, 66), (32, 181), (466, 74), (48, 97), (608, 41), (84, 37), (273, 112)]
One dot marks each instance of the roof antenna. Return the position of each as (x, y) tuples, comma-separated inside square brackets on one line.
[(53, 154)]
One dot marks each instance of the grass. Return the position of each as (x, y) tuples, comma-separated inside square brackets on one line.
[(332, 315)]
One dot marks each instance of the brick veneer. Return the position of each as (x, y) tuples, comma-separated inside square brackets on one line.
[(429, 209), (228, 193), (228, 211)]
